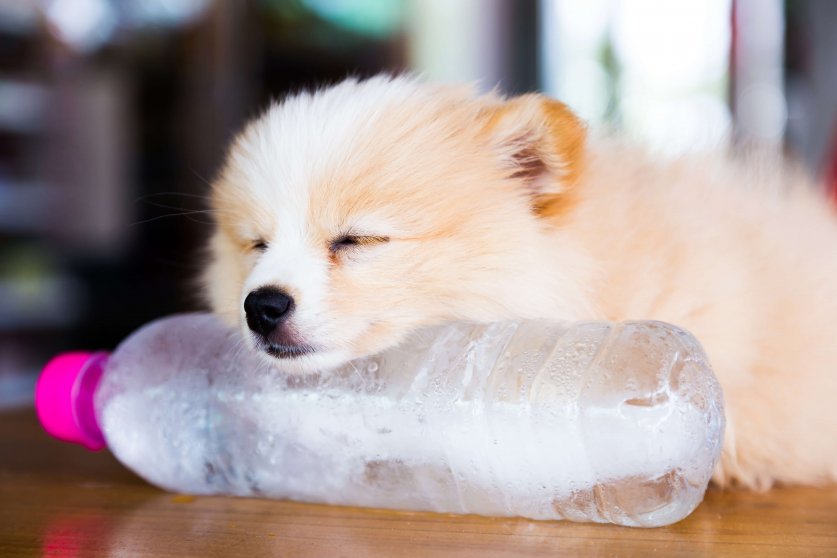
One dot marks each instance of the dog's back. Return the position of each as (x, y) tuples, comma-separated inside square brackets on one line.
[(745, 256)]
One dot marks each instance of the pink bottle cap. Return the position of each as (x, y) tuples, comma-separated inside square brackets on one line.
[(64, 398)]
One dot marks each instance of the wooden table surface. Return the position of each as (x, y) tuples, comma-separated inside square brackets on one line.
[(60, 500)]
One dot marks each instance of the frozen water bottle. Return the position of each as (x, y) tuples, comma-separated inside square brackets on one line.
[(591, 421)]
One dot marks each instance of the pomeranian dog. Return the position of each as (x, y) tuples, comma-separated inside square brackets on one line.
[(349, 217)]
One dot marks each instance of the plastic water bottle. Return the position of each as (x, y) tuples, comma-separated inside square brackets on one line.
[(593, 421)]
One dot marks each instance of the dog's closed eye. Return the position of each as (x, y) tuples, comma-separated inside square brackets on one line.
[(349, 241), (258, 245)]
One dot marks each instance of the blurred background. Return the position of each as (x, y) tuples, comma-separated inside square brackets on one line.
[(114, 115)]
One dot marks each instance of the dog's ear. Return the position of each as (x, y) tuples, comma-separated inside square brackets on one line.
[(542, 142)]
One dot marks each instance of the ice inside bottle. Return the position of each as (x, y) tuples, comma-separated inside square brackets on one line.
[(593, 421)]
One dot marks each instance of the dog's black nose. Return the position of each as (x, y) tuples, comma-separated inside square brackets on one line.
[(266, 308)]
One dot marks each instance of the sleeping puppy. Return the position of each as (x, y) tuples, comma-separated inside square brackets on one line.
[(349, 217)]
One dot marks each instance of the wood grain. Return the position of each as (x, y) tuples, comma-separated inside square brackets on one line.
[(59, 500)]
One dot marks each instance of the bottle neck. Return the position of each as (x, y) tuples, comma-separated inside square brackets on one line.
[(84, 409)]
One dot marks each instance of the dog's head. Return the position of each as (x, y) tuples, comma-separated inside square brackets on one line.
[(349, 217)]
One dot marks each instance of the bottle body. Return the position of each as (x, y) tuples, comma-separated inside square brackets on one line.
[(593, 421)]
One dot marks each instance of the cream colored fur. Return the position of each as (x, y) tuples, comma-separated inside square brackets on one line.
[(500, 209)]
